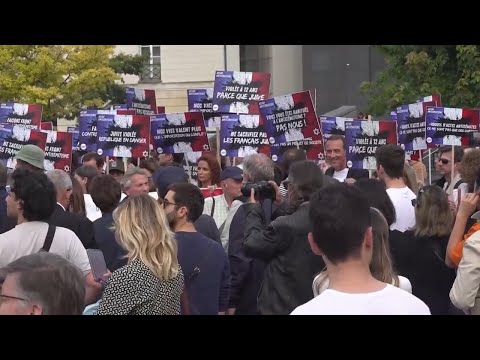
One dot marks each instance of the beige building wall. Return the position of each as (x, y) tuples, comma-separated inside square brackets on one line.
[(184, 67)]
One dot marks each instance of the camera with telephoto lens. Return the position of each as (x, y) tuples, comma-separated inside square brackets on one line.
[(263, 190)]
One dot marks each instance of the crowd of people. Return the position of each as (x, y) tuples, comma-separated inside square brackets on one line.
[(256, 238)]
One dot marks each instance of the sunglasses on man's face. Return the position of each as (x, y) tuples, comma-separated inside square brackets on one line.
[(444, 161)]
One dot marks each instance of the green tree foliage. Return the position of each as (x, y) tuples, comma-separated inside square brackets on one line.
[(64, 78), (453, 71)]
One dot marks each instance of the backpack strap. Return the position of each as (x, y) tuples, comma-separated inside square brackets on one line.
[(49, 238)]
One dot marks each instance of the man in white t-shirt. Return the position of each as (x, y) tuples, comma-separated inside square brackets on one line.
[(390, 164), (335, 151), (32, 200), (342, 235)]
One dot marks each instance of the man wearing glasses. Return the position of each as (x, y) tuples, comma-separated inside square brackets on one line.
[(32, 200), (204, 262), (449, 180), (29, 282)]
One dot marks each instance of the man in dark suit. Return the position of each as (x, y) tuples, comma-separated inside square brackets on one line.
[(81, 226), (336, 152)]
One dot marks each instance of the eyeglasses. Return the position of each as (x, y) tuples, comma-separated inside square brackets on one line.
[(166, 203), (444, 161), (2, 296)]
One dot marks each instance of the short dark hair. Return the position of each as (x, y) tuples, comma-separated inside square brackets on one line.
[(306, 178), (36, 192), (339, 215), (106, 192), (51, 280), (86, 171), (378, 197), (149, 164), (292, 155), (338, 137), (457, 152), (99, 160), (392, 159), (191, 197)]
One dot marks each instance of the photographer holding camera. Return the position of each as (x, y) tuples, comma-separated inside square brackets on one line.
[(283, 243), (247, 273)]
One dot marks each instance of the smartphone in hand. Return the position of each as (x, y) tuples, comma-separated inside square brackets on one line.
[(97, 263)]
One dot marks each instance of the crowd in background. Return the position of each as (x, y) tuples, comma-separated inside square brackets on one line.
[(256, 238)]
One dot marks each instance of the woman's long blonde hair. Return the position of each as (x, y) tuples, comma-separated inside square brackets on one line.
[(142, 229)]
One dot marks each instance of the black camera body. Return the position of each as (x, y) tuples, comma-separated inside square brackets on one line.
[(263, 190)]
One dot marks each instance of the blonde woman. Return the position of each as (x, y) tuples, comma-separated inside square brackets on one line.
[(152, 281), (381, 264)]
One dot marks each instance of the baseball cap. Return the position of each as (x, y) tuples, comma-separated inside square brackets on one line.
[(116, 165), (33, 155), (231, 172)]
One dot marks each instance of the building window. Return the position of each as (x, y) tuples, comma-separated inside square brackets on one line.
[(152, 70)]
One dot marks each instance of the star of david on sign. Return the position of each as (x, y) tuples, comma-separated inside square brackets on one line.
[(145, 153), (205, 147), (320, 155), (66, 168), (316, 131)]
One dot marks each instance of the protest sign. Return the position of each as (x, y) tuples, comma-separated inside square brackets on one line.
[(28, 115), (143, 101), (290, 120), (239, 92), (58, 150), (201, 100), (411, 125), (74, 130), (123, 135), (242, 135), (363, 137), (179, 133), (12, 139), (450, 126), (332, 125), (48, 125)]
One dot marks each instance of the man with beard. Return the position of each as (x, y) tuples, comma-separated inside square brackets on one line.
[(203, 261)]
